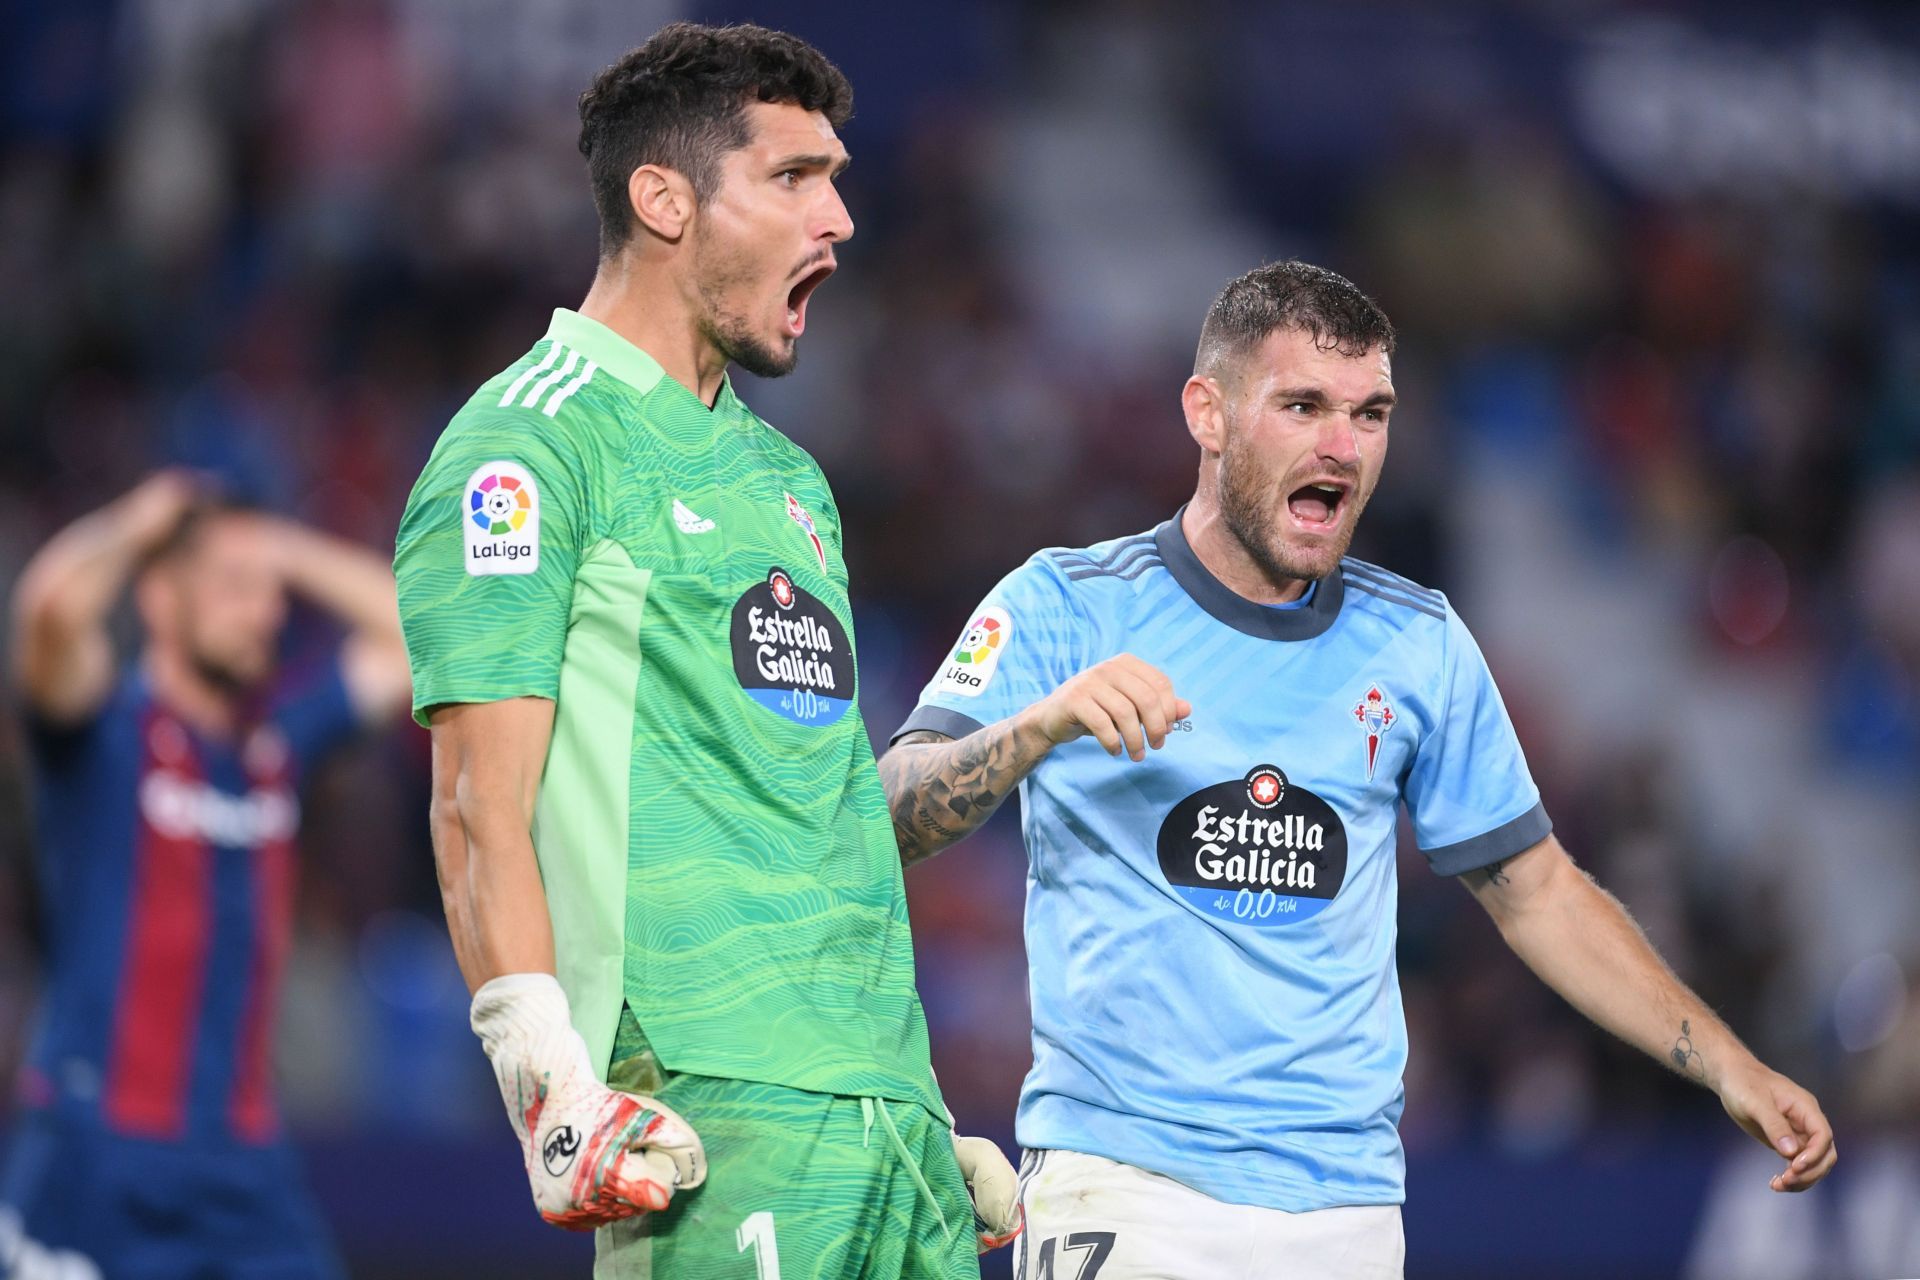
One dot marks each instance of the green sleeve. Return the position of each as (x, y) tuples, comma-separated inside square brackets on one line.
[(485, 590)]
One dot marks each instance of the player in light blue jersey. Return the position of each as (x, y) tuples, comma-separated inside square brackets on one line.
[(1218, 1039)]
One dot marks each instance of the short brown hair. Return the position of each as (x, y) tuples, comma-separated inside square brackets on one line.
[(680, 101), (1291, 295)]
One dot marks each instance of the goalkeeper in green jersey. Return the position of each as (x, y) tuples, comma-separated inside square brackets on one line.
[(665, 856)]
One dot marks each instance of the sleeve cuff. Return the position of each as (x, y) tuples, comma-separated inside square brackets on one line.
[(939, 720), (425, 700), (1497, 845)]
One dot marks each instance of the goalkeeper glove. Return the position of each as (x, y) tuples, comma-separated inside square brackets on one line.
[(593, 1155), (995, 1190)]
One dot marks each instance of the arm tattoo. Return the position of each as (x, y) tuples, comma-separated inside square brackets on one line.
[(940, 790), (1497, 874), (1685, 1058)]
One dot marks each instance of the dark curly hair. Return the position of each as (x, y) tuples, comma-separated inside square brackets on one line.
[(1291, 295), (680, 101)]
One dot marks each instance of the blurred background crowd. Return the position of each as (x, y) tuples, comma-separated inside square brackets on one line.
[(1656, 271)]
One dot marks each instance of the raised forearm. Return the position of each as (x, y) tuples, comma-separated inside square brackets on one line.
[(62, 655), (941, 789), (1581, 942), (346, 580), (77, 577)]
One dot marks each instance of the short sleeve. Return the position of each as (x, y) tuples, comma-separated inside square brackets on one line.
[(316, 713), (486, 557), (1468, 790), (1024, 641), (61, 746)]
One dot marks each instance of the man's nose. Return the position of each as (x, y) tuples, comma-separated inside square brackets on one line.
[(1338, 441), (837, 223)]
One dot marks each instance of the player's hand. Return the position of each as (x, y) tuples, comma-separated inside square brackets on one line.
[(1125, 703), (593, 1155), (995, 1190), (151, 509), (1783, 1116)]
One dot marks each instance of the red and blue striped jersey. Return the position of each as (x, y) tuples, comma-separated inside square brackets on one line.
[(167, 875)]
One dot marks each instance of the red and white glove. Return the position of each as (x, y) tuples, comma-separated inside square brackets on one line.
[(995, 1190), (593, 1155)]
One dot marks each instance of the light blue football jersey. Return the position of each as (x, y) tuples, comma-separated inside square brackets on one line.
[(1210, 932)]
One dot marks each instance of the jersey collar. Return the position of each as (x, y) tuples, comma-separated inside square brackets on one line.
[(607, 349), (1236, 610), (629, 363)]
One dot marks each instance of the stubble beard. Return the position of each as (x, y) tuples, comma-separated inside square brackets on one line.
[(227, 676), (730, 332), (1251, 514)]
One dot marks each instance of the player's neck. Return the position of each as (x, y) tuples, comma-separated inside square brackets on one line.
[(645, 304), (205, 706), (1221, 554)]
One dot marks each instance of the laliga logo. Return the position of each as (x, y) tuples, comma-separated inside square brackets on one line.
[(982, 638), (970, 668), (498, 505)]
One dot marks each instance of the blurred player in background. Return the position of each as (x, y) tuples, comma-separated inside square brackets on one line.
[(664, 851), (1218, 1039), (167, 813)]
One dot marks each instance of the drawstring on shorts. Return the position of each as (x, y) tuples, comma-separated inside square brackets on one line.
[(868, 1106)]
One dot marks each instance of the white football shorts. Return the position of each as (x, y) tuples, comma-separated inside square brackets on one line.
[(1090, 1218)]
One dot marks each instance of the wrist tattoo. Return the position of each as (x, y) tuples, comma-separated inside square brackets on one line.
[(1686, 1059)]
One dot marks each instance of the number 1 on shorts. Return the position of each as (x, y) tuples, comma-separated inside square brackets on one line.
[(756, 1233)]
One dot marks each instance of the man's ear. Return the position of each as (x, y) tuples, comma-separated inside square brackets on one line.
[(1205, 403), (662, 200)]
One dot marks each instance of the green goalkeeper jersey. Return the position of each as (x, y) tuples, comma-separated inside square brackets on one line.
[(711, 832)]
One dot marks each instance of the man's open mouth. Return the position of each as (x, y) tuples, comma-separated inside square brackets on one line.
[(798, 295), (1317, 507)]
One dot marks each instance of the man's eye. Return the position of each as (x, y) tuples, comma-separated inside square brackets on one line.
[(791, 177), (1300, 406)]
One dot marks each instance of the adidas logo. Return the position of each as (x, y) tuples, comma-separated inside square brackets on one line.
[(689, 522)]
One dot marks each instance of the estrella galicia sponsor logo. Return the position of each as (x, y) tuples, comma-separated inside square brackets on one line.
[(1258, 850), (561, 1146), (790, 653)]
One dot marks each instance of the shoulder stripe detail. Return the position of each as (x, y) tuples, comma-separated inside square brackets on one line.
[(1430, 608), (1139, 567), (559, 397), (1127, 546), (1112, 554), (545, 384), (1133, 570), (529, 374), (1389, 579), (1120, 564)]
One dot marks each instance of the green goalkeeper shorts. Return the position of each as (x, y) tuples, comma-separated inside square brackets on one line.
[(800, 1186)]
